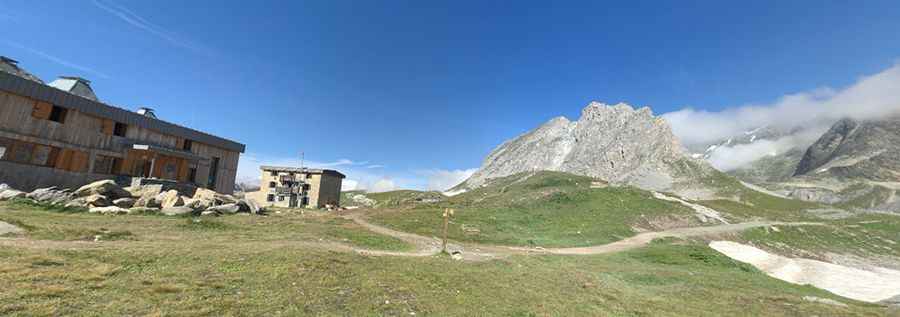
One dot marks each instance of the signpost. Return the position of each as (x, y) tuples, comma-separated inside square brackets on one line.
[(447, 213)]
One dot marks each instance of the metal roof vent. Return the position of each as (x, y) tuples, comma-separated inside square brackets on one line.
[(147, 112)]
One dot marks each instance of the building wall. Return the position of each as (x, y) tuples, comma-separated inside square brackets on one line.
[(323, 190), (330, 191), (84, 137)]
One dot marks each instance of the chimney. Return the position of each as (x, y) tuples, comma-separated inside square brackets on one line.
[(147, 112), (11, 66), (75, 85)]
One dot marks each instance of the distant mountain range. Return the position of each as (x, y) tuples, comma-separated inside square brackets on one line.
[(854, 164)]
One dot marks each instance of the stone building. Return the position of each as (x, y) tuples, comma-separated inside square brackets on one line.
[(60, 134), (298, 187)]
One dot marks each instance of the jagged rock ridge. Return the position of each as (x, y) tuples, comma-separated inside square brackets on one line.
[(616, 143)]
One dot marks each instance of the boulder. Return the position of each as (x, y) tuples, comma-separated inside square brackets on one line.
[(210, 213), (177, 211), (107, 188), (253, 206), (110, 210), (149, 202), (51, 195), (11, 194), (3, 187), (196, 204), (226, 208), (170, 199), (149, 190), (76, 203), (95, 200), (142, 210), (214, 197), (126, 202)]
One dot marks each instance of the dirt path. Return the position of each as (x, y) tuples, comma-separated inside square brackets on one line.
[(430, 246), (427, 246)]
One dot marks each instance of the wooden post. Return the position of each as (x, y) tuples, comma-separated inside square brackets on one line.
[(447, 213)]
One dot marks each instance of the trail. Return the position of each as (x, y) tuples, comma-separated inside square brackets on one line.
[(429, 246)]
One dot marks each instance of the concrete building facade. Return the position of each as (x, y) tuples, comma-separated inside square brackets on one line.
[(292, 187), (60, 134)]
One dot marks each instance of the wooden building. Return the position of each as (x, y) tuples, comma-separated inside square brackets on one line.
[(60, 134)]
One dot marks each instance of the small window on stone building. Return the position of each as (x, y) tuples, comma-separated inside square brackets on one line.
[(58, 114), (192, 175), (188, 144), (272, 184), (280, 198), (270, 198)]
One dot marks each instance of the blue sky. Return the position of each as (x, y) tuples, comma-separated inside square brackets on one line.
[(416, 93)]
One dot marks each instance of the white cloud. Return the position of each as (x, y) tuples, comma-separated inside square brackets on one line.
[(57, 60), (870, 97), (442, 180), (140, 22)]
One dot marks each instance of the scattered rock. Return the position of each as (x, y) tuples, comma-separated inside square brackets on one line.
[(177, 211), (111, 210), (124, 202), (95, 200), (213, 197), (6, 228), (170, 199), (254, 207), (107, 188), (226, 208), (50, 195), (11, 194), (210, 213), (196, 204), (456, 255)]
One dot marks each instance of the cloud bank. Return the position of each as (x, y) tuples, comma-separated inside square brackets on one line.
[(871, 96)]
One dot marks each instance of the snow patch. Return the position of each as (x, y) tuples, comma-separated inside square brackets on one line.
[(872, 285)]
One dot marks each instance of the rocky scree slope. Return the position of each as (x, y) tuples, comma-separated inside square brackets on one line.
[(615, 143)]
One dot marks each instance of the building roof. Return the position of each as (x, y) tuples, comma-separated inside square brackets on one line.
[(11, 66), (301, 170), (37, 90), (75, 85)]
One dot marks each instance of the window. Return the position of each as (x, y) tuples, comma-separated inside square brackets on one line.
[(188, 144), (280, 198), (273, 173), (58, 114), (192, 175), (272, 184), (270, 197), (120, 129)]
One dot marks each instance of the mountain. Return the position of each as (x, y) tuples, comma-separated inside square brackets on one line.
[(854, 165), (614, 143), (867, 149)]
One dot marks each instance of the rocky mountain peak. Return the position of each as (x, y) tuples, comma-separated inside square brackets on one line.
[(616, 143), (867, 149)]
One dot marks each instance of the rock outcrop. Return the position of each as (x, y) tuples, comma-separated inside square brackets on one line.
[(856, 149), (616, 143)]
